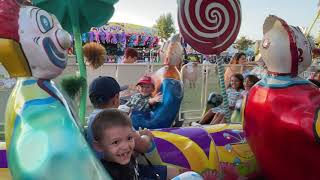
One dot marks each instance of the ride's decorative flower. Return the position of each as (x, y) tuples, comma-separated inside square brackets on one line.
[(95, 54), (210, 175), (230, 172)]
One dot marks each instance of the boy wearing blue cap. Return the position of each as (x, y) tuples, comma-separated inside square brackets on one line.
[(104, 93)]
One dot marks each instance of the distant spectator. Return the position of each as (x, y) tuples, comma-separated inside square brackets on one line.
[(237, 59), (130, 56)]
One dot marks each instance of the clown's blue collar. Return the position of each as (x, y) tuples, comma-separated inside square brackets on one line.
[(281, 81)]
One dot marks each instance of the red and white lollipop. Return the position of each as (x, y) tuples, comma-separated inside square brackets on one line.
[(209, 26)]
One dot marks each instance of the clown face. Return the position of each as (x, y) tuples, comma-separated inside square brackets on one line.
[(44, 42)]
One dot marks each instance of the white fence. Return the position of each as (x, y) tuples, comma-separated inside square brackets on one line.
[(194, 100)]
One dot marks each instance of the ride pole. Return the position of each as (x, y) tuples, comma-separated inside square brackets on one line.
[(74, 11), (314, 22)]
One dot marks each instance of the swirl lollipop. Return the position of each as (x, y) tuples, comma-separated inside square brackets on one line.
[(209, 26)]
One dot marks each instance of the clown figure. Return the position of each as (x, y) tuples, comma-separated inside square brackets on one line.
[(167, 81), (42, 136), (281, 112)]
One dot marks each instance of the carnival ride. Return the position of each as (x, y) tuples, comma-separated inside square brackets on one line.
[(123, 34), (45, 141), (115, 37)]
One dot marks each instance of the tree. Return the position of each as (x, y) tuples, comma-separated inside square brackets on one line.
[(165, 27), (243, 43)]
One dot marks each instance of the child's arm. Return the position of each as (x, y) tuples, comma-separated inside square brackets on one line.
[(157, 98), (207, 118)]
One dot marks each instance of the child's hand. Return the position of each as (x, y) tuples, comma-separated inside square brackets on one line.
[(157, 98), (146, 132), (142, 143)]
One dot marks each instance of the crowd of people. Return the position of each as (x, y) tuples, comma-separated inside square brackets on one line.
[(238, 80)]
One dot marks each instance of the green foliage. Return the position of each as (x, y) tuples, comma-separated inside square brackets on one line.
[(165, 26), (72, 85), (243, 43), (193, 58)]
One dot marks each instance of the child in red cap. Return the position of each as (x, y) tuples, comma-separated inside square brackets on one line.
[(143, 101)]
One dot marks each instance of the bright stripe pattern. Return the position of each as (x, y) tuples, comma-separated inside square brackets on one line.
[(3, 159), (225, 102), (209, 26), (205, 149)]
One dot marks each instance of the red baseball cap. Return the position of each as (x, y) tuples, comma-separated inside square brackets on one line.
[(145, 80)]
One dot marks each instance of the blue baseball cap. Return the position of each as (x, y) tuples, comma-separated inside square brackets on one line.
[(104, 88)]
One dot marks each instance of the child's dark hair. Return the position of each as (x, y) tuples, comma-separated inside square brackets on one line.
[(99, 101), (252, 78), (239, 77), (109, 118), (238, 55)]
